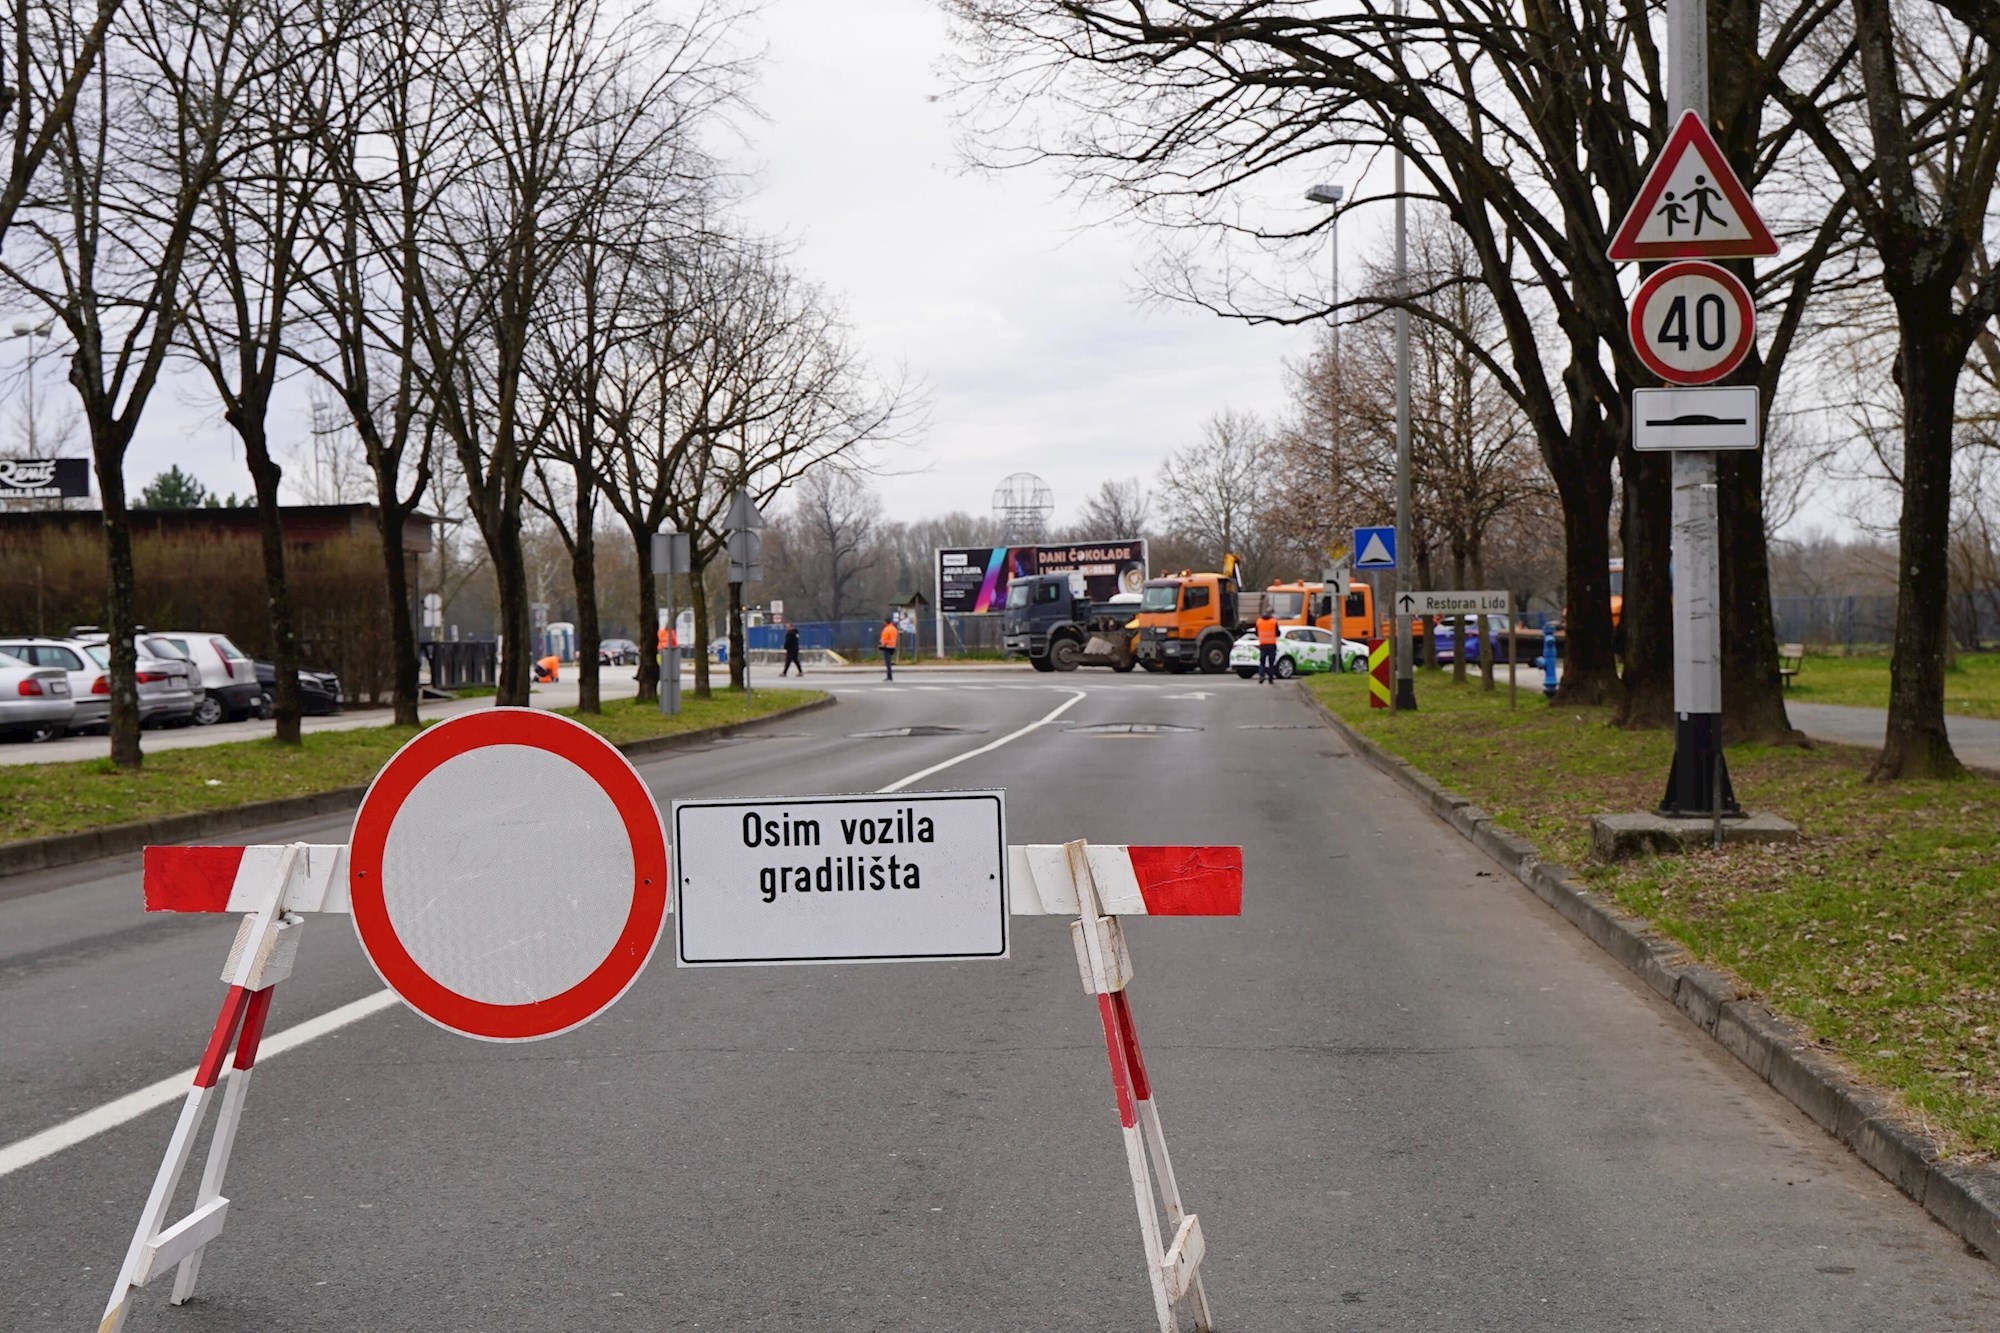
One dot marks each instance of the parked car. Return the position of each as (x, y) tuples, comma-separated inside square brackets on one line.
[(89, 684), (168, 686), (34, 700), (319, 691), (228, 678), (1302, 650), (618, 652), (1445, 638)]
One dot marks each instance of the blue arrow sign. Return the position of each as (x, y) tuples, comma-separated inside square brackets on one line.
[(1375, 548)]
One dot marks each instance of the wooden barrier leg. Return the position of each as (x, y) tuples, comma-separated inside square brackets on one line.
[(1172, 1270), (223, 1141), (134, 1272), (1156, 1146), (259, 959)]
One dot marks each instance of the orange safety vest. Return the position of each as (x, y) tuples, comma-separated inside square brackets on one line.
[(888, 639), (1267, 630)]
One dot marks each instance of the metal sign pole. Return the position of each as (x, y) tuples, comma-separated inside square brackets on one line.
[(1699, 781), (1406, 685)]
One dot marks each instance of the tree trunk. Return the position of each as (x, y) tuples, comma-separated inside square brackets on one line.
[(1458, 627), (739, 662), (120, 593), (1645, 631), (1915, 744), (396, 578), (583, 571), (510, 575), (265, 474), (1590, 665), (698, 600), (648, 633), (1753, 693)]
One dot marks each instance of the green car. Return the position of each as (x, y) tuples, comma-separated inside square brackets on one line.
[(1302, 650)]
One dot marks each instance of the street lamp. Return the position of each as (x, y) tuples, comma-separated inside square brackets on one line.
[(25, 328), (1331, 195)]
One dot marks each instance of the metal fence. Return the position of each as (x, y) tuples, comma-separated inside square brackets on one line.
[(1868, 623), (457, 665), (963, 636)]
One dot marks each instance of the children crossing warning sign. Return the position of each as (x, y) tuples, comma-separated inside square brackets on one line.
[(1691, 206)]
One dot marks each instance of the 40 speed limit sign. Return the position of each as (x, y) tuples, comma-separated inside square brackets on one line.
[(1692, 322)]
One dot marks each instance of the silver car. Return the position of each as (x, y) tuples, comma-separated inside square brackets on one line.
[(168, 690), (34, 701), (89, 683)]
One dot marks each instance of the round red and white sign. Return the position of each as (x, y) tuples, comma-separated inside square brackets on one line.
[(508, 872), (1692, 322)]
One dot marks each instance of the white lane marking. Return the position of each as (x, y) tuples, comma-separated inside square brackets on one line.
[(990, 746), (34, 1148), (38, 1147)]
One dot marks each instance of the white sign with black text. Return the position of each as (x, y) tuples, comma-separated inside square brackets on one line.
[(840, 879), (1454, 603), (1710, 417)]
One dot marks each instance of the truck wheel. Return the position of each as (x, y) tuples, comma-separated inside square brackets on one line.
[(1041, 664), (1152, 664), (1064, 653), (1123, 663), (1215, 656), (1287, 668)]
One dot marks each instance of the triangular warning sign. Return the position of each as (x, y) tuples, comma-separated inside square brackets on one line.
[(1373, 552), (1691, 206)]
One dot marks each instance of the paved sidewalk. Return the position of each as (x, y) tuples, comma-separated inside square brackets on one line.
[(617, 683), (1975, 739)]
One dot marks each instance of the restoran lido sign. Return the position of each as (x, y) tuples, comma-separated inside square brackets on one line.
[(841, 879)]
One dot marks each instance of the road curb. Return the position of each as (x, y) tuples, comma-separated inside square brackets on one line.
[(1964, 1199), (66, 849)]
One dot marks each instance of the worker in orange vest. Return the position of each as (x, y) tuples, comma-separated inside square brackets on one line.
[(546, 670), (888, 645), (1267, 646)]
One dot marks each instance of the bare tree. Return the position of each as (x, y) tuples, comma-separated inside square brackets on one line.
[(1115, 509), (1918, 161), (1216, 490), (562, 104), (106, 248), (837, 519), (244, 261), (1522, 124)]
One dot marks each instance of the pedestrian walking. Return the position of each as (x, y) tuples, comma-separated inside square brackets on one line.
[(1267, 647), (888, 645), (792, 652)]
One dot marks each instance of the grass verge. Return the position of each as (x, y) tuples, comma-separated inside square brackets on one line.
[(1971, 688), (1879, 931), (40, 800)]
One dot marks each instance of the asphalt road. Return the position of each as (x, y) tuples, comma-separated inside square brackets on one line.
[(1401, 1093)]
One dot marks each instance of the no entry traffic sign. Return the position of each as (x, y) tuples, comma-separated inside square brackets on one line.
[(1692, 322), (508, 874)]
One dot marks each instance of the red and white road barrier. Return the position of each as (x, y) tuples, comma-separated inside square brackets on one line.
[(276, 885), (266, 945)]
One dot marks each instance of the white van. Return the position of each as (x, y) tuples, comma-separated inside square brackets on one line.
[(228, 676)]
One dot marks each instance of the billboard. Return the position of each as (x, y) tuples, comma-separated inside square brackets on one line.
[(972, 580), (43, 478)]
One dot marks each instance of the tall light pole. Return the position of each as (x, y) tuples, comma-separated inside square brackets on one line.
[(30, 330), (1331, 195), (1406, 681)]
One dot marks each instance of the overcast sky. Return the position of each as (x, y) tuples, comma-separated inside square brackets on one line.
[(1023, 323), (1019, 319), (1023, 327)]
